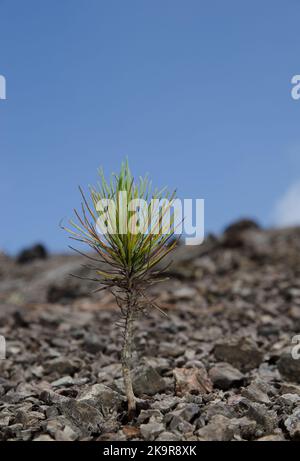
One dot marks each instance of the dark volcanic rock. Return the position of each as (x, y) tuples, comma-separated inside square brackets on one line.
[(146, 380), (224, 376), (292, 424), (181, 418), (289, 367), (257, 392), (233, 234), (240, 352), (28, 255), (63, 293), (87, 418), (101, 397), (93, 343), (151, 430), (61, 366), (266, 420), (218, 429)]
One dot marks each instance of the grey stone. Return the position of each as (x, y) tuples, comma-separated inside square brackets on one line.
[(26, 435), (54, 425), (288, 388), (185, 293), (170, 349), (4, 421), (266, 419), (292, 423), (218, 429), (257, 392), (146, 415), (165, 403), (241, 352), (146, 380), (29, 418), (224, 376), (151, 430), (244, 427), (50, 397), (87, 418), (93, 343), (101, 397), (65, 381), (186, 411), (160, 364), (66, 435), (271, 438), (288, 367), (217, 408), (60, 366), (43, 438), (289, 400), (175, 422), (168, 437)]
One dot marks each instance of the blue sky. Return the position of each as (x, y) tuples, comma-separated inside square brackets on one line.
[(196, 93)]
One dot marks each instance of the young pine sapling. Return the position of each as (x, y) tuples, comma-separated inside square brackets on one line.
[(131, 230)]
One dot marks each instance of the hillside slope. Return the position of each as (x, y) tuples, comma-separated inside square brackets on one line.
[(218, 368)]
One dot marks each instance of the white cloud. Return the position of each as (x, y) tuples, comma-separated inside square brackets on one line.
[(287, 209)]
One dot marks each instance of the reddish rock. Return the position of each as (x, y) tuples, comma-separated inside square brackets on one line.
[(192, 381)]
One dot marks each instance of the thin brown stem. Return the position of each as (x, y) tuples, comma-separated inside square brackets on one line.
[(126, 354)]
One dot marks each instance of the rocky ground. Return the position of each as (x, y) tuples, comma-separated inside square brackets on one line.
[(218, 368)]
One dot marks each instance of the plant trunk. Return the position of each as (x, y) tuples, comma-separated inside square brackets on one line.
[(126, 358)]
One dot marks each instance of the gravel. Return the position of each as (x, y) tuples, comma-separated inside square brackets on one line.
[(218, 368)]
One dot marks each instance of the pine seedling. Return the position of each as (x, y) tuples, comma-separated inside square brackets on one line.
[(131, 230)]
